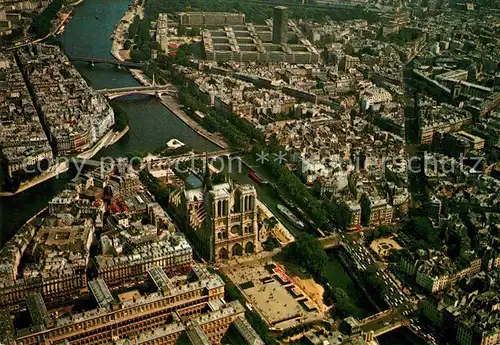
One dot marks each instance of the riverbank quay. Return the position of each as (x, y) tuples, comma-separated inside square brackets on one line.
[(55, 170), (140, 77), (121, 31), (108, 139), (117, 136), (63, 18), (174, 107), (88, 154), (283, 235), (60, 20)]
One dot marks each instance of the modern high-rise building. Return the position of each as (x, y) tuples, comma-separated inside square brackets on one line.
[(162, 32), (280, 25)]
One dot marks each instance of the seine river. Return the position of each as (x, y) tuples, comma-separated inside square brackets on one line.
[(151, 126)]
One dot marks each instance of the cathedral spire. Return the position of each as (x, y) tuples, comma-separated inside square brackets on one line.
[(207, 179)]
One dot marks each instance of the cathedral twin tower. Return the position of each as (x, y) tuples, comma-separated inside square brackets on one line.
[(220, 219)]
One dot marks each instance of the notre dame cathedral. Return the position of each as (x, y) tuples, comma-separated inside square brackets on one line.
[(220, 219)]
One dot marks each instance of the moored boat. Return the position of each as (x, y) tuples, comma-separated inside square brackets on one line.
[(289, 214), (61, 30), (255, 176), (174, 143)]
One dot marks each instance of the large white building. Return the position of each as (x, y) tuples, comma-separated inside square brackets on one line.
[(162, 32), (374, 97)]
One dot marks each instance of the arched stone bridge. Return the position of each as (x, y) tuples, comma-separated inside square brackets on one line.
[(94, 60)]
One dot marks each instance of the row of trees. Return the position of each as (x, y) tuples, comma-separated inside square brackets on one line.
[(235, 130), (344, 304), (43, 23), (308, 253), (424, 233), (326, 213), (140, 40), (186, 51), (325, 210), (381, 231), (269, 117), (270, 244), (366, 209), (372, 280), (184, 31), (258, 11), (244, 137)]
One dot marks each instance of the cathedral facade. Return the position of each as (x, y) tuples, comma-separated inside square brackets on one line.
[(221, 220)]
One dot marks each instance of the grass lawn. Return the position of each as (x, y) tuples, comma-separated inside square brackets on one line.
[(269, 268), (247, 285), (339, 278)]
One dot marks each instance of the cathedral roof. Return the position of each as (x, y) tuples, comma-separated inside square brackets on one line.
[(221, 190), (193, 194)]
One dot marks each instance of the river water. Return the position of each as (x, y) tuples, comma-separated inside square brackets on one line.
[(151, 125)]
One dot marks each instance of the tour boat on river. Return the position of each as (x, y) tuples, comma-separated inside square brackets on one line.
[(289, 214), (256, 177)]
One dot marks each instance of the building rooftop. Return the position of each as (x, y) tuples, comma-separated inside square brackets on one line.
[(247, 331), (232, 308), (160, 279), (197, 337), (37, 309), (101, 292)]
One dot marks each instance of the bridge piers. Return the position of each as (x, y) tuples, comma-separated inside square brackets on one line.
[(94, 60), (369, 337), (118, 66), (91, 63)]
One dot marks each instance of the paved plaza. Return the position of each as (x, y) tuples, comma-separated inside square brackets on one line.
[(274, 301), (384, 246), (280, 303)]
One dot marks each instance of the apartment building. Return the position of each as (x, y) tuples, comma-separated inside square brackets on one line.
[(62, 255), (172, 251), (76, 116), (435, 271), (23, 143), (187, 299)]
